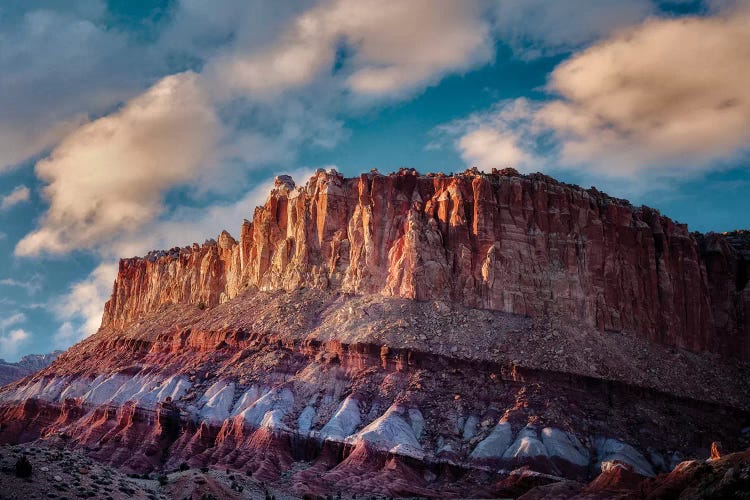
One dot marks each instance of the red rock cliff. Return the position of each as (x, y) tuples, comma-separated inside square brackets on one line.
[(521, 244)]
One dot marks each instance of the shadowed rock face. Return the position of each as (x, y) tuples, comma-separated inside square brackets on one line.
[(472, 335), (525, 245), (25, 366)]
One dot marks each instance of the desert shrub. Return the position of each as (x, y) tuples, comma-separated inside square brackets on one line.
[(184, 466), (23, 467), (163, 480)]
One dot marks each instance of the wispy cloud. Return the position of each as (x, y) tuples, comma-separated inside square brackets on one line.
[(61, 62), (18, 195), (389, 54), (11, 320), (31, 285)]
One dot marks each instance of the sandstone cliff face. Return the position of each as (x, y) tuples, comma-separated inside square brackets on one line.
[(526, 245)]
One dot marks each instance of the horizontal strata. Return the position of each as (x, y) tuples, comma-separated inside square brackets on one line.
[(525, 245), (431, 409), (398, 430)]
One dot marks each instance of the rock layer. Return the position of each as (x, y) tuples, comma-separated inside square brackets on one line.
[(356, 419), (526, 245)]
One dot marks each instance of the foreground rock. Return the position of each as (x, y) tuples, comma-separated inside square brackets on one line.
[(727, 477), (61, 473)]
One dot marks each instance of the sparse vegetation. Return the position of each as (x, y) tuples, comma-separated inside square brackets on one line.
[(23, 467)]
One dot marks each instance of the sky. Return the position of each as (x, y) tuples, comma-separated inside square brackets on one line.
[(132, 125)]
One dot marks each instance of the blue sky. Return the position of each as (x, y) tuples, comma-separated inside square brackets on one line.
[(134, 125)]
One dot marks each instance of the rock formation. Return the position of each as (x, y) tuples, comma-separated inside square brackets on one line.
[(407, 335), (25, 366), (526, 245)]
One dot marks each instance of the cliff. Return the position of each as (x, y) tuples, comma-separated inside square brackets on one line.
[(413, 336), (525, 245)]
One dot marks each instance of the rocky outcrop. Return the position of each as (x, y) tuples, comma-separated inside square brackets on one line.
[(726, 258), (525, 245)]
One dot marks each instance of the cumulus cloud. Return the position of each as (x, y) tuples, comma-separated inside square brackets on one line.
[(108, 177), (498, 138), (11, 343), (81, 308), (22, 140), (666, 97), (59, 63), (394, 47), (18, 195)]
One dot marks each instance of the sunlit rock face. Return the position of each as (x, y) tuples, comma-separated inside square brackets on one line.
[(525, 245), (475, 335)]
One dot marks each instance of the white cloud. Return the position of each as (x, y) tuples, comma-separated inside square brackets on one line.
[(67, 335), (108, 177), (20, 141), (58, 65), (396, 47), (31, 285), (668, 97), (18, 195), (11, 343), (494, 147), (498, 138), (11, 320), (670, 92), (83, 305)]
